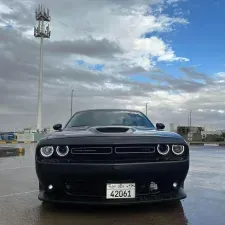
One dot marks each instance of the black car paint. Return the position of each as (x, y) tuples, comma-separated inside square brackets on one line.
[(96, 173), (92, 131), (165, 172), (83, 136)]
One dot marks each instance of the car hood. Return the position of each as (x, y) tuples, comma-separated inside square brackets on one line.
[(115, 131)]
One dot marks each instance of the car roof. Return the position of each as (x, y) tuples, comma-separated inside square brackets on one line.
[(126, 110)]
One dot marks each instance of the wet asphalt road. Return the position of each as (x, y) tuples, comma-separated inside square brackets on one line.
[(205, 204)]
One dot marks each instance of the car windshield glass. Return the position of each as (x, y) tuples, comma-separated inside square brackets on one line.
[(108, 118)]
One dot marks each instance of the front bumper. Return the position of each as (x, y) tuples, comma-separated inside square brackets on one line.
[(64, 198), (96, 176)]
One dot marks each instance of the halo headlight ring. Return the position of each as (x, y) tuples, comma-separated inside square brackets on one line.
[(60, 153), (162, 152), (47, 151), (175, 152)]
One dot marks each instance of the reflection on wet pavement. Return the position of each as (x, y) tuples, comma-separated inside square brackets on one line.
[(32, 212), (149, 214), (204, 205), (11, 151)]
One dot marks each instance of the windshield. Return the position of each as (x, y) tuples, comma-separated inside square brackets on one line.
[(108, 118)]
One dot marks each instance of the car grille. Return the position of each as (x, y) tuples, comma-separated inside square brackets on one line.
[(135, 150), (113, 154), (91, 150)]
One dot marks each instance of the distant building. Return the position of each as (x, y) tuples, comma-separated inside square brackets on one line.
[(196, 132), (172, 127), (208, 132), (29, 130), (215, 135), (34, 130)]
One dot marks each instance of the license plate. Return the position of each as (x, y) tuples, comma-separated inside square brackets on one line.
[(123, 190)]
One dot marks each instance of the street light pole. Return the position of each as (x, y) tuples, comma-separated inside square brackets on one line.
[(190, 119), (72, 102), (146, 109)]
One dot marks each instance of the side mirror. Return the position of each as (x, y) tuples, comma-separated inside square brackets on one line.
[(160, 126), (57, 126)]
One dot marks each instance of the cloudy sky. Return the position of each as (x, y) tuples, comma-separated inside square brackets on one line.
[(115, 54)]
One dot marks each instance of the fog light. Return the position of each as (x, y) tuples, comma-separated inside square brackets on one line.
[(175, 185), (153, 186), (50, 187)]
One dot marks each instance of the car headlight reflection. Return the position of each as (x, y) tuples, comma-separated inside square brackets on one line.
[(178, 149), (163, 149), (47, 151), (62, 150)]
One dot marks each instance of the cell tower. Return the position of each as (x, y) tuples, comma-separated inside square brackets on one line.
[(41, 31)]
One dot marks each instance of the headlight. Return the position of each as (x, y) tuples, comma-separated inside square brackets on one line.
[(163, 149), (178, 149), (47, 151), (62, 150)]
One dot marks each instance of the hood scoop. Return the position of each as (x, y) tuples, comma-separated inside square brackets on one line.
[(114, 129)]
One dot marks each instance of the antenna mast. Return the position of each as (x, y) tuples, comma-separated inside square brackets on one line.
[(41, 31)]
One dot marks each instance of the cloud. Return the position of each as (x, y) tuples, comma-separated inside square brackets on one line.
[(95, 48), (173, 1), (193, 74), (132, 70), (90, 47), (155, 47), (5, 9), (94, 67)]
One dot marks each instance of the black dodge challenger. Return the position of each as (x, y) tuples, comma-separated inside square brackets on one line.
[(107, 156)]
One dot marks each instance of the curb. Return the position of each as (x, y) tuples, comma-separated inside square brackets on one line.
[(6, 152), (207, 144), (17, 142), (198, 144)]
